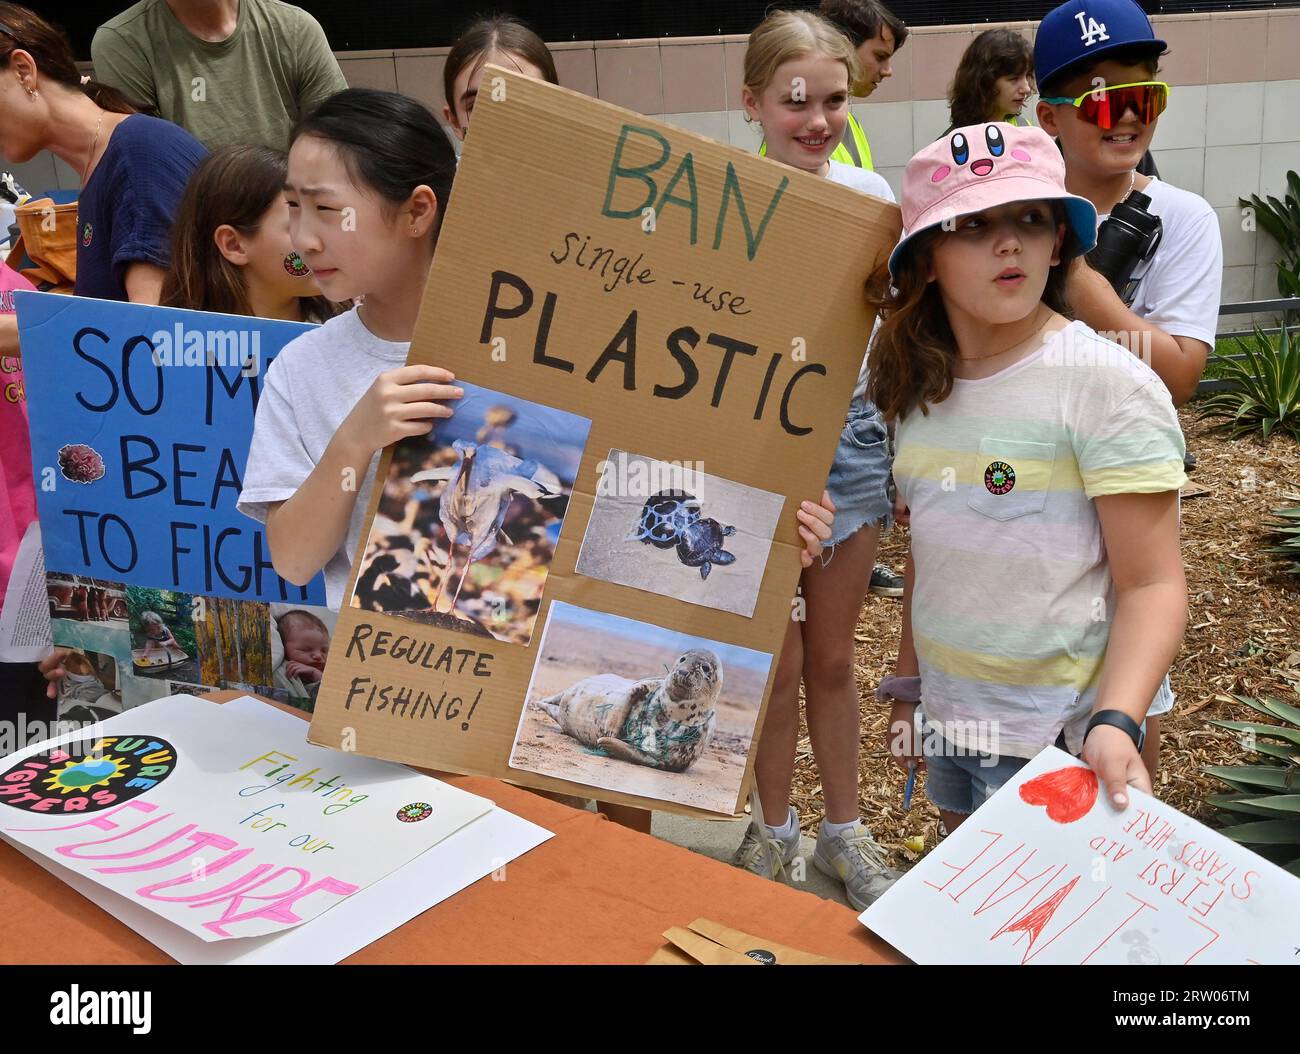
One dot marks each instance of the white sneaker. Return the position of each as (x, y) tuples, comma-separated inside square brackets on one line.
[(857, 861), (764, 853)]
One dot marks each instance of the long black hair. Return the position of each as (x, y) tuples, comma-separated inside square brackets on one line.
[(389, 142)]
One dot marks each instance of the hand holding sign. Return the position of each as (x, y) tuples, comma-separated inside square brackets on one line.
[(402, 402), (815, 523), (1116, 761), (1047, 873)]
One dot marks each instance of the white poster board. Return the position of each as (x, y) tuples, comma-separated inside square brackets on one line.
[(1048, 871), (222, 819)]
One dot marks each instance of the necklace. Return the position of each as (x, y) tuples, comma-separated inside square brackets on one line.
[(93, 144), (994, 355)]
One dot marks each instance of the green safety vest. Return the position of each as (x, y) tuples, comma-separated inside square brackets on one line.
[(853, 148)]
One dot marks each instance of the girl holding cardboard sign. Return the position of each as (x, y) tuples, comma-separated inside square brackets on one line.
[(798, 69), (369, 177)]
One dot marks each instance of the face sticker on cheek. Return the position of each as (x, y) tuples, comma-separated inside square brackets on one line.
[(293, 263)]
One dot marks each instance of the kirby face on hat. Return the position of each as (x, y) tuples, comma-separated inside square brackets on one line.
[(983, 166)]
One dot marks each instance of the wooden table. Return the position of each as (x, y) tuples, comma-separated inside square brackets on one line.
[(595, 893)]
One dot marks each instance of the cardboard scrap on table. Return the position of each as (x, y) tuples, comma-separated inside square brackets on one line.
[(710, 943)]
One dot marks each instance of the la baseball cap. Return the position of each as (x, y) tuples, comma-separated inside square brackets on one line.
[(1085, 30)]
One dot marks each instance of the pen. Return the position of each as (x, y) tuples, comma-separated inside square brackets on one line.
[(911, 785)]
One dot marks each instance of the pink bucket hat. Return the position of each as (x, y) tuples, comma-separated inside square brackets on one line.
[(982, 166)]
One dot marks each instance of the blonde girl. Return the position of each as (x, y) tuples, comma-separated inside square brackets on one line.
[(798, 70)]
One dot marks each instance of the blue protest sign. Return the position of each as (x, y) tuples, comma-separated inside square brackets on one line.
[(141, 419)]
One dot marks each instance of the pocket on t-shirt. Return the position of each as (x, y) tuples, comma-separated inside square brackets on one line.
[(1013, 479)]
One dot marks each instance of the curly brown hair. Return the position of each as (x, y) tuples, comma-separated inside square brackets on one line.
[(912, 355), (993, 54)]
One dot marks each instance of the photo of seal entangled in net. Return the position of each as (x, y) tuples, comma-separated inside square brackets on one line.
[(664, 722), (638, 708)]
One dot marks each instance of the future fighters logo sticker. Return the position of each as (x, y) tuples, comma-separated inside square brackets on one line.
[(293, 263), (415, 812), (114, 770), (999, 478)]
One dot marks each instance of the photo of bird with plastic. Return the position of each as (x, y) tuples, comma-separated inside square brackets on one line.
[(470, 516)]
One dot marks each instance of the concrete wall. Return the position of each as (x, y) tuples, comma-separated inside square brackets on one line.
[(1232, 127)]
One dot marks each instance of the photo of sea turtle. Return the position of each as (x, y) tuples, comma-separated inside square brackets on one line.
[(671, 519), (673, 529)]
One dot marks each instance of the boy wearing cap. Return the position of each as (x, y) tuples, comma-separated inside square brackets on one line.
[(1096, 64)]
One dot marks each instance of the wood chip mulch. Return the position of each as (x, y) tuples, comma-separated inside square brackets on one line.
[(1243, 637)]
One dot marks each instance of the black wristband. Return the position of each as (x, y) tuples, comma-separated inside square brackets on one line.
[(1120, 720)]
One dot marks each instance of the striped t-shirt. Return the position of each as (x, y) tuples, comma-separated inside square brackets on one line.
[(1013, 598)]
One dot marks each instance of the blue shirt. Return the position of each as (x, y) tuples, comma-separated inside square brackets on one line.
[(126, 208)]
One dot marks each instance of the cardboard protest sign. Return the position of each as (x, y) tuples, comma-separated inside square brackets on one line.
[(223, 824), (141, 418), (1047, 871), (638, 312)]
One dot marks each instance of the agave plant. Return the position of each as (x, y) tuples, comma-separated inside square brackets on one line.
[(1266, 387), (1262, 811), (1286, 532), (1282, 220)]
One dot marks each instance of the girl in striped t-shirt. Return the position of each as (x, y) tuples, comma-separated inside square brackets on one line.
[(1040, 464)]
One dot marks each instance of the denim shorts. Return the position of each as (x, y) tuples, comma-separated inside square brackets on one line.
[(962, 781), (859, 479)]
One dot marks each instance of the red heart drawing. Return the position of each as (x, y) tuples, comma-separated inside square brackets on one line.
[(1068, 793)]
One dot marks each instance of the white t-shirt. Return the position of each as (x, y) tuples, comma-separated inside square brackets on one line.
[(860, 179), (1179, 288), (869, 183), (312, 385)]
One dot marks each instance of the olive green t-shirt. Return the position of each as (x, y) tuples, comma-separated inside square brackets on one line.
[(249, 88)]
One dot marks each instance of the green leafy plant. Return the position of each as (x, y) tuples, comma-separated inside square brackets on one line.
[(1285, 531), (1266, 386), (1282, 220), (1262, 810)]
